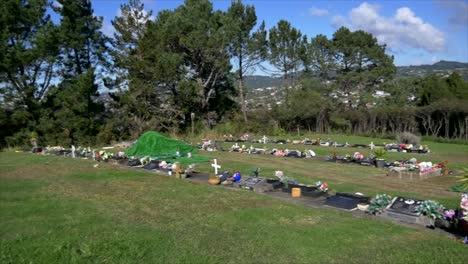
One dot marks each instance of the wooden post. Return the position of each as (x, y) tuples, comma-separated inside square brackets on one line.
[(192, 117)]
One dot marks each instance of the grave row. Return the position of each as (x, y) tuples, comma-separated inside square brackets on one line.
[(422, 212), (394, 147)]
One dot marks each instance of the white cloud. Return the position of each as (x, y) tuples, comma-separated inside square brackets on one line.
[(403, 30), (315, 11)]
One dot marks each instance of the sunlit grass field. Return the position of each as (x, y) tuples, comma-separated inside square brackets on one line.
[(63, 210)]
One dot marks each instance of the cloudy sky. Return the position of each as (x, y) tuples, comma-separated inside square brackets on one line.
[(415, 32)]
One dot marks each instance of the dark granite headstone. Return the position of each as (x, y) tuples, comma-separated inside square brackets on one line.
[(133, 162), (36, 150), (404, 209), (346, 201), (403, 205), (152, 165)]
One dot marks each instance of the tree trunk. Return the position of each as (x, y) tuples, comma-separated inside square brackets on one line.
[(241, 93), (447, 124)]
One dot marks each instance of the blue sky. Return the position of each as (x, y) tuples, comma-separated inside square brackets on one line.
[(416, 32)]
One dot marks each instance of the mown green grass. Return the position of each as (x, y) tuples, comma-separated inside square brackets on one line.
[(60, 210)]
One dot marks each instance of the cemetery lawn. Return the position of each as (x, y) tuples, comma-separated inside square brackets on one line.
[(62, 210)]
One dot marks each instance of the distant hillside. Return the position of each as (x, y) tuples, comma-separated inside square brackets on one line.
[(441, 68), (441, 65), (257, 81)]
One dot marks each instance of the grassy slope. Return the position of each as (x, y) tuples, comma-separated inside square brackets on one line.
[(54, 209)]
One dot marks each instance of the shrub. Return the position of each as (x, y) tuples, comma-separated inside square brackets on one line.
[(408, 138)]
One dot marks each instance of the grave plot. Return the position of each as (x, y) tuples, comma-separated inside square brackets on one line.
[(404, 209), (255, 184), (346, 200), (307, 190)]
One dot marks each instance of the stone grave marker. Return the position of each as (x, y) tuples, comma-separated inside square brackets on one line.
[(256, 184), (346, 200), (404, 209)]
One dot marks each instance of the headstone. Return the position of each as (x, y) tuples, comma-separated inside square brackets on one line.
[(215, 166), (73, 151), (346, 201), (404, 209), (264, 139), (372, 146), (256, 184)]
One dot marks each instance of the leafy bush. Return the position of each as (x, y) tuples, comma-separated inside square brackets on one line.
[(379, 203), (408, 138)]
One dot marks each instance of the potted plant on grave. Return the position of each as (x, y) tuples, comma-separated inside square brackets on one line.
[(432, 210), (379, 203), (380, 154)]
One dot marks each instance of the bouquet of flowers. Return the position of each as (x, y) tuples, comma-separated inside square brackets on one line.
[(322, 186), (432, 209), (379, 203)]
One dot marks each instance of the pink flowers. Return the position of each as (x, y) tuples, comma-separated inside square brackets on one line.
[(449, 214)]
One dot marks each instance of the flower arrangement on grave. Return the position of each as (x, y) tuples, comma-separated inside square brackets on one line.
[(449, 214), (412, 167), (145, 160), (464, 207), (322, 186), (431, 209), (379, 203), (380, 153)]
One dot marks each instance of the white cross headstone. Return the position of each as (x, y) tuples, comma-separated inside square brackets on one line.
[(236, 146), (73, 151), (372, 145), (215, 166), (264, 139)]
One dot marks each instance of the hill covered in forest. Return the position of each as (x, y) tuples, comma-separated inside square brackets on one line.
[(440, 68)]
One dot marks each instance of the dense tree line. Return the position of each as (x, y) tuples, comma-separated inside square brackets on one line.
[(67, 83)]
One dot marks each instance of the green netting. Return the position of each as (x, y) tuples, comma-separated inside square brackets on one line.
[(154, 144)]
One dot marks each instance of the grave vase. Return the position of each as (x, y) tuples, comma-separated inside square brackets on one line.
[(380, 163)]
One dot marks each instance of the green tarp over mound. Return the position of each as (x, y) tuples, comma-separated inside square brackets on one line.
[(154, 144)]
